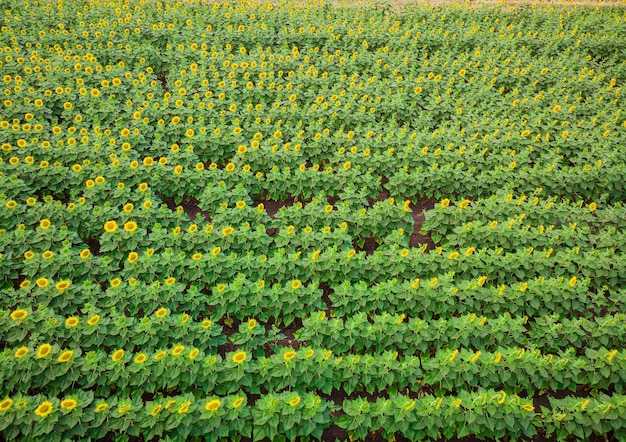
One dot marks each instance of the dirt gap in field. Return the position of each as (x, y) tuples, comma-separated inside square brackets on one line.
[(272, 207), (190, 207), (419, 214)]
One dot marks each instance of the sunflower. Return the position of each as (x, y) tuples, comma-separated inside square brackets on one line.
[(93, 320), (130, 226), (239, 357), (65, 356), (44, 409), (21, 352), (213, 405), (117, 355), (156, 410), (19, 314), (69, 404), (6, 404), (71, 321), (62, 286), (237, 402), (110, 226), (184, 408)]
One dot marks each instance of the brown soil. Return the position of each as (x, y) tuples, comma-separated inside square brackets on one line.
[(190, 206), (369, 246), (419, 213), (289, 340), (272, 207), (192, 210)]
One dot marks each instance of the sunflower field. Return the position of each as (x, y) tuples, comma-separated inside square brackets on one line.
[(303, 221)]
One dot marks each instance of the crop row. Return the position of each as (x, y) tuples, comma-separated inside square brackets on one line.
[(245, 297), (459, 179), (175, 179), (489, 413), (280, 182), (599, 269), (419, 336), (535, 209), (379, 149), (513, 235), (298, 226), (448, 294), (184, 368), (413, 335), (80, 414)]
